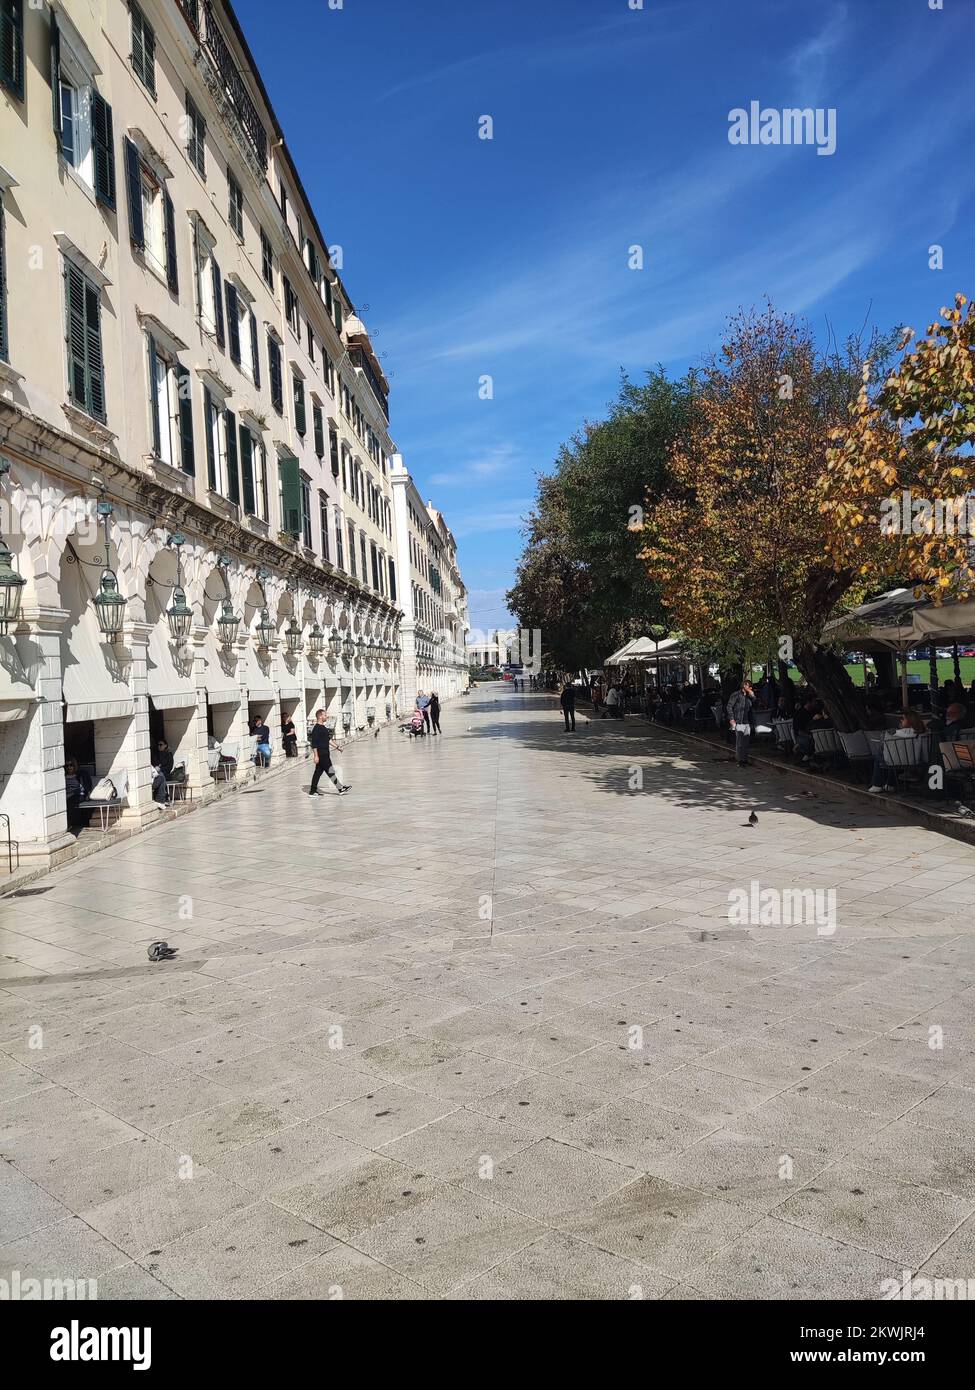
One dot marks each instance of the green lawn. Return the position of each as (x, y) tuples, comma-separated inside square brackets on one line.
[(946, 670)]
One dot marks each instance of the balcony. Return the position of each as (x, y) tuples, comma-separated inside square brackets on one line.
[(225, 80)]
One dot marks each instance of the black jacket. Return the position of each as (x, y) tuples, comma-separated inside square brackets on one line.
[(568, 697)]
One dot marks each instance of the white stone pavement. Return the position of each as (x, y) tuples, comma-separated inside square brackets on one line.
[(562, 1073)]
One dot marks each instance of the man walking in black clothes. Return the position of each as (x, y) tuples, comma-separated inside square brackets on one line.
[(321, 737), (568, 702)]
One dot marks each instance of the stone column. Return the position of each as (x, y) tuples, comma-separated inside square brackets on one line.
[(197, 767), (123, 745), (32, 748)]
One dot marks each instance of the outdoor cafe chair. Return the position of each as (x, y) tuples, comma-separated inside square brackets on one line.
[(826, 744), (785, 737), (907, 758), (857, 748)]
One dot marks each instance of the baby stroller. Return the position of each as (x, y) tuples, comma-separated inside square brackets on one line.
[(416, 724)]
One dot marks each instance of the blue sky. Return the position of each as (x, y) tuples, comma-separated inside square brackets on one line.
[(508, 257)]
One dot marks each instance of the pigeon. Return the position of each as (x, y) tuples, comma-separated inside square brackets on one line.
[(752, 819), (161, 950)]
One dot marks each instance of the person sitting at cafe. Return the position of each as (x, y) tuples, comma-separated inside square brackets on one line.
[(948, 726), (803, 726), (911, 726), (162, 761), (77, 788)]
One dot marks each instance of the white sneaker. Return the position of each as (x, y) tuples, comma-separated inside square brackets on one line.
[(876, 789)]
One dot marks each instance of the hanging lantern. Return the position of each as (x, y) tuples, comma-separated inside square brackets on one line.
[(335, 645), (228, 623), (11, 590), (180, 616), (293, 637), (348, 650), (265, 629), (316, 641), (109, 606)]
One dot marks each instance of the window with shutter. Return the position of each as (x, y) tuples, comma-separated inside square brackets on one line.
[(247, 469), (12, 46), (133, 188), (143, 48), (184, 390), (267, 259), (333, 449), (212, 439), (274, 373), (217, 300), (290, 477), (195, 136), (233, 322), (235, 198), (4, 340), (255, 360), (319, 423), (154, 393), (103, 145), (172, 270), (233, 472), (299, 400), (86, 382)]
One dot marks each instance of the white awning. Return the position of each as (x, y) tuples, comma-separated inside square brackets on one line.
[(93, 684), (169, 688), (290, 691), (259, 685), (221, 673), (16, 693)]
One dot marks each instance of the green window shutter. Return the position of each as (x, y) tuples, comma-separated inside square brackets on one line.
[(217, 300), (274, 373), (209, 415), (12, 46), (338, 314), (319, 431), (255, 358), (133, 187), (55, 78), (143, 49), (184, 386), (4, 344), (153, 392), (290, 475), (74, 295), (103, 145), (233, 473), (299, 398), (95, 365), (172, 270), (247, 469), (233, 322)]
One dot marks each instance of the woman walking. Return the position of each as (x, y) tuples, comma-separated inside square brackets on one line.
[(435, 712)]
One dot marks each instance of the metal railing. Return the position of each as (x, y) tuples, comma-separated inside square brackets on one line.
[(201, 16), (10, 844)]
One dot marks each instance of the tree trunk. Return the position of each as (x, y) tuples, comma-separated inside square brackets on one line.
[(788, 686), (827, 675)]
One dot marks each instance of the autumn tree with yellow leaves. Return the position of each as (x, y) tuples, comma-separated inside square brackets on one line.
[(741, 546), (902, 468)]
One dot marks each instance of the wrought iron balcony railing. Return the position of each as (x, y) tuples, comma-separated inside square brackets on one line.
[(201, 16)]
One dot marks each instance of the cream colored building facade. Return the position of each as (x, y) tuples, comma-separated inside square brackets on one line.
[(183, 373), (433, 597)]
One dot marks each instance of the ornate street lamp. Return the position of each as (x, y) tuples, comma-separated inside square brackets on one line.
[(11, 583), (316, 640), (266, 630), (179, 615), (228, 622), (335, 645), (109, 604), (348, 651), (293, 635)]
